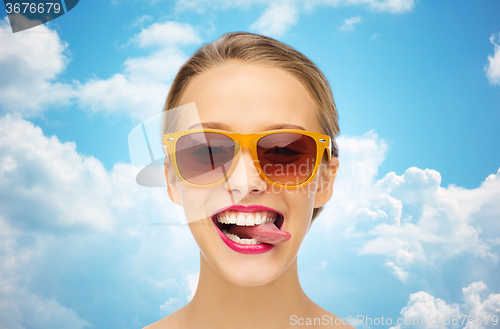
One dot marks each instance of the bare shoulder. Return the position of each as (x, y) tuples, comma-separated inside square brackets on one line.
[(319, 317), (334, 320), (172, 321)]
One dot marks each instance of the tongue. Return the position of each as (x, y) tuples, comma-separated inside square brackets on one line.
[(264, 233)]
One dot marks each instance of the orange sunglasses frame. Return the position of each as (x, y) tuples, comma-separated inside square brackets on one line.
[(323, 142)]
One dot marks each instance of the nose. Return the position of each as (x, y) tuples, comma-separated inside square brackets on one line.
[(245, 177)]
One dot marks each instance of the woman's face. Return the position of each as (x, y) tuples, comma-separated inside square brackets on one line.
[(247, 98)]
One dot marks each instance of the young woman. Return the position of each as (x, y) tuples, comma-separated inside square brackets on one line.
[(264, 134)]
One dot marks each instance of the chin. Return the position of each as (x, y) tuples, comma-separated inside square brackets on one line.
[(250, 278), (249, 273)]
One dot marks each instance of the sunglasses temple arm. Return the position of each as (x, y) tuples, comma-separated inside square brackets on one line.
[(330, 149)]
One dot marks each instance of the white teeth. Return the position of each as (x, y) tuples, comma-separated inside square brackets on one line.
[(235, 238), (258, 219), (246, 219), (240, 221), (249, 221)]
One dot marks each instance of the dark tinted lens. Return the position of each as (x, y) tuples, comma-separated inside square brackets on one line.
[(204, 158), (287, 158)]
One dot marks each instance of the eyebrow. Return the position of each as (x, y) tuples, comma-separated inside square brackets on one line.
[(285, 126), (210, 125), (222, 126)]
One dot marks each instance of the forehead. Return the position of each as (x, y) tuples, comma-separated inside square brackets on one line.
[(250, 98)]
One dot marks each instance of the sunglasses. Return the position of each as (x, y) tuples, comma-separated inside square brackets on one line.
[(286, 157)]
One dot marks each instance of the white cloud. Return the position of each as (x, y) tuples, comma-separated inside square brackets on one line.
[(62, 188), (430, 222), (158, 67), (70, 230), (141, 20), (477, 304), (398, 271), (140, 90), (361, 156), (422, 305), (192, 279), (391, 6), (349, 23), (277, 19), (409, 219), (120, 94), (170, 306), (20, 308), (30, 62), (493, 69), (167, 34), (31, 311)]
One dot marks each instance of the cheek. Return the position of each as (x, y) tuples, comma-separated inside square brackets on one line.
[(302, 206), (193, 200), (196, 206), (202, 202), (304, 196), (300, 202)]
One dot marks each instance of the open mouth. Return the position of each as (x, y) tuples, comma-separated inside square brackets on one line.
[(251, 228)]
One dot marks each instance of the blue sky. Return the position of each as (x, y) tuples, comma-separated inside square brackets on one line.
[(417, 86)]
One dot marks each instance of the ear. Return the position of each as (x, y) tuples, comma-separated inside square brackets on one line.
[(327, 173), (172, 187)]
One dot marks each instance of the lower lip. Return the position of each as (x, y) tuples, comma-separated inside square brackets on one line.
[(252, 249)]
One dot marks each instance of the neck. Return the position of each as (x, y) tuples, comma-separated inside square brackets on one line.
[(222, 304)]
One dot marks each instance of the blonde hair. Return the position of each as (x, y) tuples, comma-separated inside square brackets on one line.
[(259, 49)]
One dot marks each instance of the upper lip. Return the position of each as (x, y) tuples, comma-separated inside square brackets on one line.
[(249, 208)]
